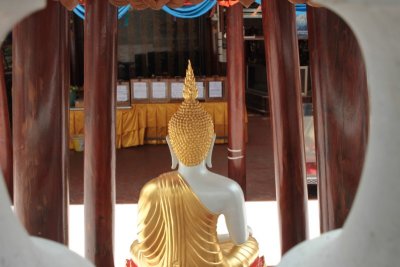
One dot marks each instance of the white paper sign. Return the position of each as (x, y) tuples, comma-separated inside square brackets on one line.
[(176, 90), (200, 88), (215, 89), (122, 93), (159, 90), (140, 90)]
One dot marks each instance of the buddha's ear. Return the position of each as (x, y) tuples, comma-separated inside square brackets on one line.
[(209, 156), (174, 158)]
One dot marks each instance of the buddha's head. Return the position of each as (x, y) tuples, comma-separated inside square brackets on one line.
[(191, 128)]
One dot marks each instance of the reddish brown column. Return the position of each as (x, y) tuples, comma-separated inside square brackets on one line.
[(6, 164), (236, 95), (283, 73), (341, 113), (99, 166), (40, 93)]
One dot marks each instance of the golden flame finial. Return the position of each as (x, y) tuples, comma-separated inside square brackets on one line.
[(190, 91), (191, 128)]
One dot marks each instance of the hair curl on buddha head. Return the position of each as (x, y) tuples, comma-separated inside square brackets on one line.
[(191, 128)]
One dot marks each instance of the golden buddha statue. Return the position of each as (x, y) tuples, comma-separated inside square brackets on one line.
[(178, 211)]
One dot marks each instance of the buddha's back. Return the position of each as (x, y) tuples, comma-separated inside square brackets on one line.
[(176, 229)]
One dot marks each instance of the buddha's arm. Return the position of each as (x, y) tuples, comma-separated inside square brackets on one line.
[(235, 215)]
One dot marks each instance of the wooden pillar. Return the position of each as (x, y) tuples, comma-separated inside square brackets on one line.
[(6, 163), (40, 106), (341, 113), (283, 71), (236, 95), (99, 167)]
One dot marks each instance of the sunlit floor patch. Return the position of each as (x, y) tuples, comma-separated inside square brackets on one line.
[(262, 218)]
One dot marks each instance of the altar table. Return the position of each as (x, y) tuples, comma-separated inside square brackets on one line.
[(148, 123)]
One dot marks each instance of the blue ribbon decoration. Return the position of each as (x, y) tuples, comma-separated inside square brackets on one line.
[(79, 10), (185, 12), (300, 8), (123, 10), (193, 11)]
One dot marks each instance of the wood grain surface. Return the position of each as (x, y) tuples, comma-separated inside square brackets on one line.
[(236, 96), (6, 162), (341, 111), (282, 57), (40, 96), (99, 158)]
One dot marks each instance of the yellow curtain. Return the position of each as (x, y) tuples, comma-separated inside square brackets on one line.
[(148, 123)]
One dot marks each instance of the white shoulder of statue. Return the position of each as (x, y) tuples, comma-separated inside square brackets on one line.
[(235, 189), (231, 188)]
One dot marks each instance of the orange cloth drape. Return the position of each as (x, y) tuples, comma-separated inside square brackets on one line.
[(148, 123)]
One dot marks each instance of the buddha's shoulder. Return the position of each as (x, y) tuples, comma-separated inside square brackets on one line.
[(223, 181), (162, 181), (226, 184)]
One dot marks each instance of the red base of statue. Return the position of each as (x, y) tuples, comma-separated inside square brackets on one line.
[(259, 262)]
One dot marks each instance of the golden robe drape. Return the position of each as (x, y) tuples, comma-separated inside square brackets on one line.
[(175, 229)]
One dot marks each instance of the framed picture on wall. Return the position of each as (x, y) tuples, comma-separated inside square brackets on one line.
[(140, 90), (176, 86), (123, 94), (304, 80), (159, 91), (216, 89), (201, 87)]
